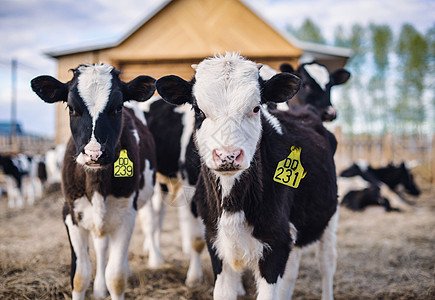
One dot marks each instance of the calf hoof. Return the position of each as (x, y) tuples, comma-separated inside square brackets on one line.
[(100, 295), (155, 261), (193, 281)]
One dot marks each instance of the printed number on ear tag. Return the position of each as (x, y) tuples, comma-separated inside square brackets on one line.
[(290, 170), (123, 167)]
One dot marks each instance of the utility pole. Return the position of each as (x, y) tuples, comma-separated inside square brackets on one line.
[(14, 99)]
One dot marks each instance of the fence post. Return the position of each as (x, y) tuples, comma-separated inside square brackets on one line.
[(432, 161), (387, 149)]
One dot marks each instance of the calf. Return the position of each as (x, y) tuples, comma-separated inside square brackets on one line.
[(249, 156), (358, 200), (316, 87), (22, 182), (171, 146), (361, 185), (107, 173), (394, 177)]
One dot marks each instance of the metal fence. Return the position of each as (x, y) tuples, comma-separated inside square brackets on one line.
[(31, 145)]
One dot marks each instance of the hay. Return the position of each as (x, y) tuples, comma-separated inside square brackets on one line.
[(381, 256)]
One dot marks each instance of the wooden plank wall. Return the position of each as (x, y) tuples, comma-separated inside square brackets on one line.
[(417, 150)]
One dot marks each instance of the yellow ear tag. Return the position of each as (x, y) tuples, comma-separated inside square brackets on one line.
[(123, 167), (290, 170)]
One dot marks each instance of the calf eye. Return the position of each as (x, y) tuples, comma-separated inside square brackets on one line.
[(72, 112), (256, 109), (118, 110), (199, 113)]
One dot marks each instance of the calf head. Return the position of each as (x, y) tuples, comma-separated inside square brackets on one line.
[(316, 86), (226, 94), (402, 175), (95, 98)]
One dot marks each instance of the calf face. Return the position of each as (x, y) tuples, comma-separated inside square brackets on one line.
[(95, 98), (316, 86), (226, 94)]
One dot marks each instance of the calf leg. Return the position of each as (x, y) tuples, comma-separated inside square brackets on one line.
[(327, 257), (226, 284), (196, 230), (100, 245), (149, 224), (81, 271), (186, 219), (117, 267), (290, 274), (271, 269)]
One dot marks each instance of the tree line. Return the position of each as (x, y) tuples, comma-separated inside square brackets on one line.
[(392, 88)]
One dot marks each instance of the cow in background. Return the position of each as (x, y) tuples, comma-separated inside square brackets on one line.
[(316, 87), (22, 181), (361, 185)]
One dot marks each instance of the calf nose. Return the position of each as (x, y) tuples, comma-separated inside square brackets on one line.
[(93, 151), (329, 114), (225, 158)]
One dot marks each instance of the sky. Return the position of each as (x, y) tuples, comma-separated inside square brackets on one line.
[(29, 28)]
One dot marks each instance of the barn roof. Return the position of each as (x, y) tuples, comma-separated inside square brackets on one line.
[(310, 50)]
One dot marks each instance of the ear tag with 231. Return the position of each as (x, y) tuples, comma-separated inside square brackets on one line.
[(290, 170)]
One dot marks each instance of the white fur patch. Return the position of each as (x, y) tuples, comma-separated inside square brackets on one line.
[(235, 244), (136, 135), (188, 120), (319, 73), (133, 105), (266, 72), (103, 216), (273, 121)]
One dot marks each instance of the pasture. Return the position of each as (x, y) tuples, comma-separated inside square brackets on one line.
[(380, 256)]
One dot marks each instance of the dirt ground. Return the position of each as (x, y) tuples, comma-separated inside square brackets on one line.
[(381, 256)]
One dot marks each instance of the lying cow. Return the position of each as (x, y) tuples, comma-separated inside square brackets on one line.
[(107, 173), (361, 185), (267, 186)]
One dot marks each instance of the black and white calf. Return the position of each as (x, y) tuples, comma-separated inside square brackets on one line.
[(361, 185), (21, 178), (107, 173), (316, 87), (252, 219), (172, 128)]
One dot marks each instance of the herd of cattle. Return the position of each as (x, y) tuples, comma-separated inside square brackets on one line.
[(241, 148)]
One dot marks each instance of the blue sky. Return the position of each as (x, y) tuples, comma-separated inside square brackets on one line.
[(28, 28)]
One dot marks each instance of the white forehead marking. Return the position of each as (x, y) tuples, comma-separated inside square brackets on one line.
[(319, 73), (226, 85), (94, 85)]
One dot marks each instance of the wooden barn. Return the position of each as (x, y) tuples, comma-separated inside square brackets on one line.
[(180, 33)]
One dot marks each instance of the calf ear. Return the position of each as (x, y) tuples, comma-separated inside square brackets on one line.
[(139, 89), (174, 89), (340, 76), (280, 88), (49, 89), (285, 67)]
